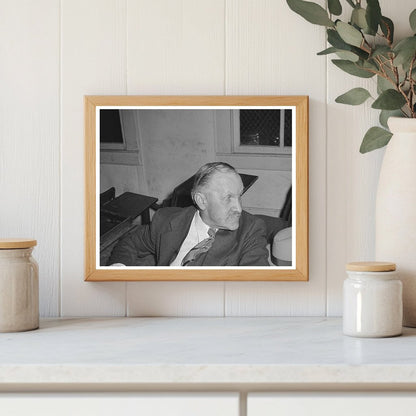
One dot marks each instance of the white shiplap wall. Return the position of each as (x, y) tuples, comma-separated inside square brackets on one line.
[(55, 52), (30, 135)]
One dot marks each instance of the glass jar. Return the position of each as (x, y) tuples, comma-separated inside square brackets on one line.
[(372, 300), (19, 286)]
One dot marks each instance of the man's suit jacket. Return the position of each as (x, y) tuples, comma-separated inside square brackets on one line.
[(158, 243)]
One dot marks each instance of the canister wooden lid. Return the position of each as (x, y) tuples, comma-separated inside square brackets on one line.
[(371, 266), (11, 243)]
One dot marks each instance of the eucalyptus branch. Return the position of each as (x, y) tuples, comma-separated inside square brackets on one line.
[(366, 43), (403, 112), (406, 97), (386, 37), (395, 71), (370, 70), (374, 54), (412, 86), (384, 73), (380, 64)]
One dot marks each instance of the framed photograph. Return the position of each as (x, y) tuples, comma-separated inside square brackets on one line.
[(196, 188)]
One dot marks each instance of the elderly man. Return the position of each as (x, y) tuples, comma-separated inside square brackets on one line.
[(214, 232)]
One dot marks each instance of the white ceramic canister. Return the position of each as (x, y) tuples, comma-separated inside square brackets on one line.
[(373, 304), (19, 286)]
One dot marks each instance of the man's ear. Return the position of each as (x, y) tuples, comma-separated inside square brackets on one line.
[(200, 200)]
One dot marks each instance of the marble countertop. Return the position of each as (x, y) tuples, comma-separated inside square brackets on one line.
[(204, 351)]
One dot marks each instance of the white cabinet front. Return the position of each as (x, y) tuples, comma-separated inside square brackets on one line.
[(331, 404), (119, 404)]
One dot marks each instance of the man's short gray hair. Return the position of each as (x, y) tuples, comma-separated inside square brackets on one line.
[(205, 173)]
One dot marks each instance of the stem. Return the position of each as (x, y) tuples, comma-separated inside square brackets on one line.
[(388, 33), (366, 43), (412, 88), (395, 72), (406, 97), (384, 73)]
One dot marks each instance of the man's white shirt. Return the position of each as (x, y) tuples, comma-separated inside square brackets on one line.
[(198, 231)]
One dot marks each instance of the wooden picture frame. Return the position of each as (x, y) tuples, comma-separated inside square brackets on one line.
[(298, 106)]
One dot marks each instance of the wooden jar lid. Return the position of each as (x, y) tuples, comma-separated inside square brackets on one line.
[(11, 243), (371, 266)]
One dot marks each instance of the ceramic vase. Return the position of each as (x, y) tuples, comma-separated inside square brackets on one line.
[(396, 210)]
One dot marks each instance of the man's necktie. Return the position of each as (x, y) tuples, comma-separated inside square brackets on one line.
[(202, 247)]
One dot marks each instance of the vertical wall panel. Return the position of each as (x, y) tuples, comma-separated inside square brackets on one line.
[(272, 51), (93, 62), (29, 135), (175, 47), (175, 299), (352, 177)]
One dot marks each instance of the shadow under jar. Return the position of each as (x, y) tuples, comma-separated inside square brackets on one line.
[(19, 286)]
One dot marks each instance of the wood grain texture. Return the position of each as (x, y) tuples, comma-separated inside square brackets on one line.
[(13, 243), (262, 59), (370, 266), (93, 61), (29, 136), (300, 216)]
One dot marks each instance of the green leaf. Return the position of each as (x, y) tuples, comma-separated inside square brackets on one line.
[(389, 100), (386, 114), (405, 50), (352, 68), (355, 96), (375, 138), (336, 41), (348, 56), (373, 15), (349, 34), (370, 65), (358, 18), (381, 50), (412, 20), (327, 51), (311, 12), (334, 7), (383, 84), (387, 27)]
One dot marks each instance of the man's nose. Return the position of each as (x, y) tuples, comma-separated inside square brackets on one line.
[(237, 205)]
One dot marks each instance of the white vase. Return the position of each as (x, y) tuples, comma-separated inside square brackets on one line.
[(396, 210)]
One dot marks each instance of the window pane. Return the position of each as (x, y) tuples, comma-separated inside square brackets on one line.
[(288, 128), (110, 127), (260, 127)]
